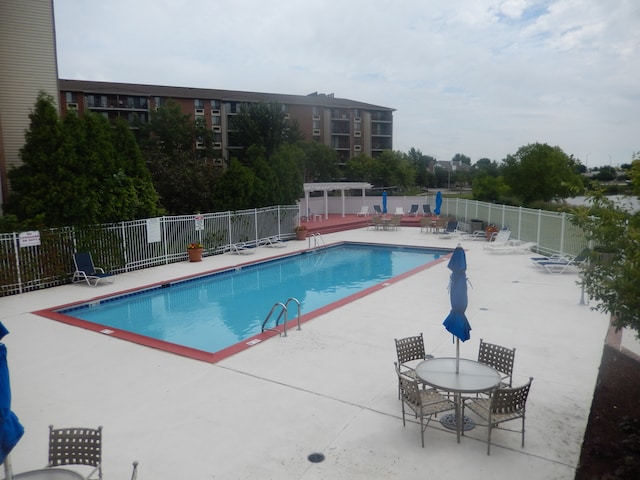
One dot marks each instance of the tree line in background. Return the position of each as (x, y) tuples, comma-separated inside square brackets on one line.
[(84, 171), (87, 171)]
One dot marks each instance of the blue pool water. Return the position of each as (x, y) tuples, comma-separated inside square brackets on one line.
[(216, 311)]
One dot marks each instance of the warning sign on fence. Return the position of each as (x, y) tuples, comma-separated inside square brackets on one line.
[(29, 239)]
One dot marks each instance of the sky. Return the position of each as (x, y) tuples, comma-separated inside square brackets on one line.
[(477, 77)]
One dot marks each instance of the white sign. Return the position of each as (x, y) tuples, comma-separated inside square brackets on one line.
[(29, 239), (153, 230), (199, 222)]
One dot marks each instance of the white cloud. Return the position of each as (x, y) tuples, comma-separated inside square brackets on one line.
[(478, 78)]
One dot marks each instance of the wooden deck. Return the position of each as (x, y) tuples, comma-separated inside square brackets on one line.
[(338, 223)]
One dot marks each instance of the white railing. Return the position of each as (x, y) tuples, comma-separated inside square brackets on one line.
[(126, 246), (553, 232)]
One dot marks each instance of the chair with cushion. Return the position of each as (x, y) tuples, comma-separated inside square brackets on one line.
[(498, 358), (410, 351), (86, 271), (503, 405), (76, 446), (423, 403)]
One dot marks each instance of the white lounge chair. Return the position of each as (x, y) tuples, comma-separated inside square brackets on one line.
[(512, 246), (364, 211), (563, 264), (241, 249), (399, 211), (273, 242)]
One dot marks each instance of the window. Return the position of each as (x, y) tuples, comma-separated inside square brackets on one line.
[(198, 103), (159, 102), (316, 125), (215, 105), (71, 97)]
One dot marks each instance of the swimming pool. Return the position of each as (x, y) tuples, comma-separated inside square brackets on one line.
[(215, 313)]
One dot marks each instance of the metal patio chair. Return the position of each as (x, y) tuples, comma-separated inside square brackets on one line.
[(76, 446), (503, 405), (410, 349), (423, 403), (499, 358)]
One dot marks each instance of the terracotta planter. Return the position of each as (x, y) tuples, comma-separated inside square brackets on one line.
[(195, 254), (301, 234)]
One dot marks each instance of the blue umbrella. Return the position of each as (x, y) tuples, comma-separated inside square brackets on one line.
[(384, 201), (10, 428), (438, 203), (456, 322)]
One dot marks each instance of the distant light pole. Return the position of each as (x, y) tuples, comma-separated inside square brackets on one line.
[(449, 179)]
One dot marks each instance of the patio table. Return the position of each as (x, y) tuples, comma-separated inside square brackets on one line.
[(49, 474), (471, 377)]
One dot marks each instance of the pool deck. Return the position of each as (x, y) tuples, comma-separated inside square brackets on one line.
[(328, 388)]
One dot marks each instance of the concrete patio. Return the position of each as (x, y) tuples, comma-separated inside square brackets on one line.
[(329, 388)]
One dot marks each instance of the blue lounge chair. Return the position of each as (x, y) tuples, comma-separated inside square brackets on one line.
[(86, 271), (426, 210), (413, 211)]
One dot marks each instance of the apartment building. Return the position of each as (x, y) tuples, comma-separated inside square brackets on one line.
[(349, 127), (27, 66)]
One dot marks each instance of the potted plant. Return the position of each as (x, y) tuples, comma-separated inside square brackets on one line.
[(194, 250), (301, 232)]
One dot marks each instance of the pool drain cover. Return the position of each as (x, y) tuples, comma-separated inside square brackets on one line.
[(315, 457)]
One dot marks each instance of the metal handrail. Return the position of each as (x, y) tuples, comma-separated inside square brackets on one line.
[(317, 240), (284, 311)]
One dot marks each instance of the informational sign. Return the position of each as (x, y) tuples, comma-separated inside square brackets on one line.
[(199, 222), (153, 230), (29, 239)]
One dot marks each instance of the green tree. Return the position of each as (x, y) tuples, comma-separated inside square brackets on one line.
[(541, 172), (363, 168), (612, 276), (182, 174), (235, 188), (263, 124), (79, 172), (318, 163)]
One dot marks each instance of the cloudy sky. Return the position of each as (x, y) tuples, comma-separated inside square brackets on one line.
[(477, 77)]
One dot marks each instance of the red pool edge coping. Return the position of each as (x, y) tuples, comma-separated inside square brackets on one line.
[(215, 357)]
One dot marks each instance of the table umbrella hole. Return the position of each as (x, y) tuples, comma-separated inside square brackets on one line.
[(315, 457), (449, 421)]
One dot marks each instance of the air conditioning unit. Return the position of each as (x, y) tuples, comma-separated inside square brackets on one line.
[(215, 113), (316, 117), (72, 106), (217, 145), (218, 162), (357, 134), (316, 132), (286, 116), (216, 128), (199, 111), (199, 145), (357, 148)]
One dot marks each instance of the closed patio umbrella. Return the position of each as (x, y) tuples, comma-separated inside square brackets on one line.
[(456, 322), (384, 201), (10, 428), (438, 203)]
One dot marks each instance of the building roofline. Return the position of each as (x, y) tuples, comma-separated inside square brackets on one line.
[(87, 86)]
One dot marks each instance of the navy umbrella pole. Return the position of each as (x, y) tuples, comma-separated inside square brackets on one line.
[(10, 428), (456, 322)]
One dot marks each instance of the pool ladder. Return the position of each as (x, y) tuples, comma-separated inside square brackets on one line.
[(284, 309), (317, 240)]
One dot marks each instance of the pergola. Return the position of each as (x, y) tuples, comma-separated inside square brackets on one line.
[(329, 187)]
